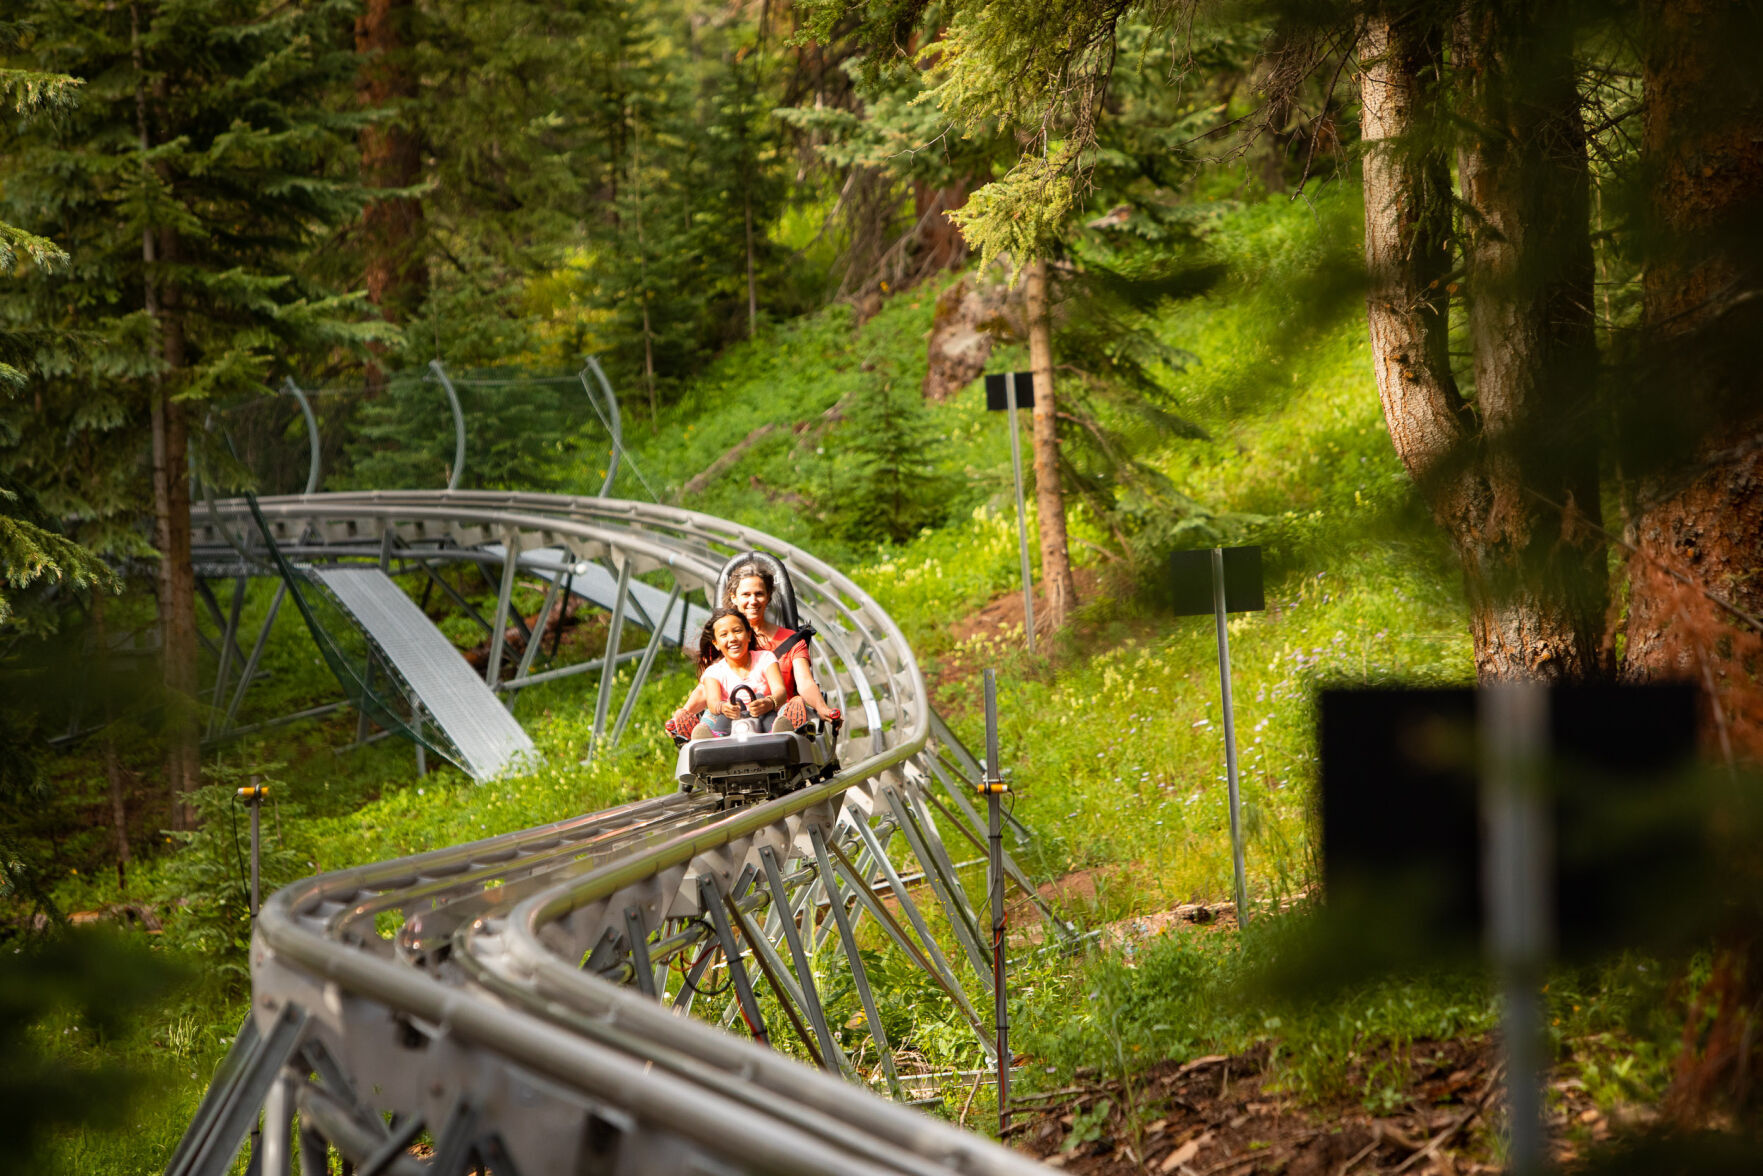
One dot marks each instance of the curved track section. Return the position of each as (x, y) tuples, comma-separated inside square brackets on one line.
[(520, 999)]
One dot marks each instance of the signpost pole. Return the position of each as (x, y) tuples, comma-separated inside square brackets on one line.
[(995, 788), (1028, 584), (1515, 873), (252, 794), (1230, 739)]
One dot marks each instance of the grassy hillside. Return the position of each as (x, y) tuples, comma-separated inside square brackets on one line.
[(1112, 737)]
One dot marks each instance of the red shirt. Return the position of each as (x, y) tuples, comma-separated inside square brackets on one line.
[(798, 652)]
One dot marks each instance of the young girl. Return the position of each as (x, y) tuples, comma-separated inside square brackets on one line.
[(750, 592), (729, 661)]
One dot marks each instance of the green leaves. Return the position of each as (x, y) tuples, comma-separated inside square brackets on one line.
[(32, 548), (1023, 215)]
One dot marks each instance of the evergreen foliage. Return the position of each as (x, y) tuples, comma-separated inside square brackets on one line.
[(202, 124), (521, 432), (32, 545), (715, 199), (883, 477)]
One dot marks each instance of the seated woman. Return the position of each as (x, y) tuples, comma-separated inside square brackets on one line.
[(750, 591), (729, 662)]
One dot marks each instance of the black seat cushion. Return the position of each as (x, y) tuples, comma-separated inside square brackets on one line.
[(779, 748)]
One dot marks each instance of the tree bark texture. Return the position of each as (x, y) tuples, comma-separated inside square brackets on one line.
[(169, 430), (1511, 477), (391, 158), (1056, 581), (941, 245), (1693, 435), (1538, 577), (119, 813), (177, 575)]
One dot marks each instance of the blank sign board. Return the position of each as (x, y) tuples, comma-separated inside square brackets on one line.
[(1190, 575), (1403, 824), (998, 396)]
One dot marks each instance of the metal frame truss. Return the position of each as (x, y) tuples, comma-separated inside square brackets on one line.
[(526, 1015)]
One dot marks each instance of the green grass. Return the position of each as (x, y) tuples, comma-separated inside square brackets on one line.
[(1112, 741)]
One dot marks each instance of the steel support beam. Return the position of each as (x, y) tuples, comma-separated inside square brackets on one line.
[(642, 676), (504, 596), (710, 901), (810, 993), (535, 639), (639, 941), (947, 887), (898, 934), (249, 673), (859, 976), (228, 643), (609, 669)]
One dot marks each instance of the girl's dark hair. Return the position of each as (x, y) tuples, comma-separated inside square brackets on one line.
[(751, 571), (707, 651)]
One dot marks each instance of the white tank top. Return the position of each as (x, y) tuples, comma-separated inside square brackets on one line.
[(728, 677)]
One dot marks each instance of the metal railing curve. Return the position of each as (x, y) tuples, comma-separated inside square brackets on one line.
[(488, 1016)]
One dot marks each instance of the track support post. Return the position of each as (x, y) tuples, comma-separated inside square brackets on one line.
[(993, 787), (710, 900), (253, 795)]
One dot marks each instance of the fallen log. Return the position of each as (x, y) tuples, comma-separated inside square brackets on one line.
[(722, 464)]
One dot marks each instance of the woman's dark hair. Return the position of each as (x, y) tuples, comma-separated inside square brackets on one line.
[(751, 571), (707, 651)]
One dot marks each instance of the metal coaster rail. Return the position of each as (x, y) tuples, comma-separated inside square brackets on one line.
[(511, 997)]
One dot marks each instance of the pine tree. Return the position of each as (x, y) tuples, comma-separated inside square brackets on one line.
[(33, 546), (885, 483), (200, 165)]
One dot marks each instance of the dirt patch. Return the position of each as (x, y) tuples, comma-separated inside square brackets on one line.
[(999, 622), (1004, 613), (1077, 887), (1215, 1116)]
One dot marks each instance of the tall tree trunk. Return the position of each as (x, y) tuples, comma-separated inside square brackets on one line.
[(171, 484), (1693, 439), (1538, 579), (177, 575), (1056, 581), (119, 813), (1514, 481), (1408, 244), (391, 158), (1694, 432)]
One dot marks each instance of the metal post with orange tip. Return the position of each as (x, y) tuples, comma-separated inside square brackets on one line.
[(253, 794), (993, 787)]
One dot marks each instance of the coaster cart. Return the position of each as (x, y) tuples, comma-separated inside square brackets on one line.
[(749, 765)]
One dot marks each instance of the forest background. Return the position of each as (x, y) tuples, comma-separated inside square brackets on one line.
[(1545, 213)]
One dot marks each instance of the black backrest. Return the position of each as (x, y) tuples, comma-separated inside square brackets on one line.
[(782, 610)]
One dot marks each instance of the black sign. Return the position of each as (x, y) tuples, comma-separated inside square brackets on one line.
[(1402, 824), (1190, 574), (998, 396)]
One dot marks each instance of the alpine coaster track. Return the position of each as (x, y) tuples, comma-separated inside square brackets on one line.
[(522, 999)]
